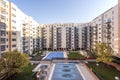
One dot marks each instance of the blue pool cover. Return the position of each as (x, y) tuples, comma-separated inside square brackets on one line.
[(66, 71), (54, 55)]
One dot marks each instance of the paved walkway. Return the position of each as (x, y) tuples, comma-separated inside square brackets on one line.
[(115, 65), (84, 53), (65, 55), (86, 72)]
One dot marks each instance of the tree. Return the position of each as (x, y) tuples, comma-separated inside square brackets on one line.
[(14, 62), (104, 52), (2, 67)]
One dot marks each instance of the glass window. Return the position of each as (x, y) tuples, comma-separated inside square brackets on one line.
[(14, 45), (3, 47)]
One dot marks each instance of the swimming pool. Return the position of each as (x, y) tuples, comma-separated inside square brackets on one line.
[(54, 55), (66, 71)]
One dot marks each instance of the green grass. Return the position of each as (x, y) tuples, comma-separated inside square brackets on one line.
[(75, 55), (26, 74), (107, 72), (91, 53)]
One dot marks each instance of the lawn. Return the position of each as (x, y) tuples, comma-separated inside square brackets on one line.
[(26, 74), (91, 54), (75, 55), (105, 71)]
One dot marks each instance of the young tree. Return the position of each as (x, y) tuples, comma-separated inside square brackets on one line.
[(15, 61), (104, 52)]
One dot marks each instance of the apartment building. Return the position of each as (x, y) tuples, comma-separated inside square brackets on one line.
[(8, 15), (29, 35), (60, 36), (103, 28), (25, 34), (16, 21)]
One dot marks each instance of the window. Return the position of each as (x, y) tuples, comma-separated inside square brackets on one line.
[(13, 27), (3, 47), (13, 21), (3, 40), (14, 45), (13, 9), (13, 15), (2, 26), (2, 33), (3, 3), (113, 23), (112, 12), (112, 17), (13, 33), (13, 39), (113, 34)]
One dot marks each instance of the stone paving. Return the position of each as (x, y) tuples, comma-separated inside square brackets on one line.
[(86, 72)]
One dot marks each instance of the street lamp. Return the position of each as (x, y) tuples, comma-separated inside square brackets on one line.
[(97, 64), (117, 78)]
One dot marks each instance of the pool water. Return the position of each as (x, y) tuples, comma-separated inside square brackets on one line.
[(66, 71), (54, 55)]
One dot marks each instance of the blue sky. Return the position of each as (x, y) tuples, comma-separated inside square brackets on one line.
[(62, 11)]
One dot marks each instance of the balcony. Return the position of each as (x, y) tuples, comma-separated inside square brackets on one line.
[(25, 24), (108, 32), (108, 26), (3, 18), (108, 37)]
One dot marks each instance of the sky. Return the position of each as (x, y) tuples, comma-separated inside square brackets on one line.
[(64, 11)]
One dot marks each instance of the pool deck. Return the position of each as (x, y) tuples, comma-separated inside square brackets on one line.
[(51, 70), (86, 72), (65, 54), (47, 53)]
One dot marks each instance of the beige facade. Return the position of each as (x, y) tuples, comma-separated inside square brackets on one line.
[(60, 36)]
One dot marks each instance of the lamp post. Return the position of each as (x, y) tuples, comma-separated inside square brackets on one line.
[(97, 64), (117, 78)]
